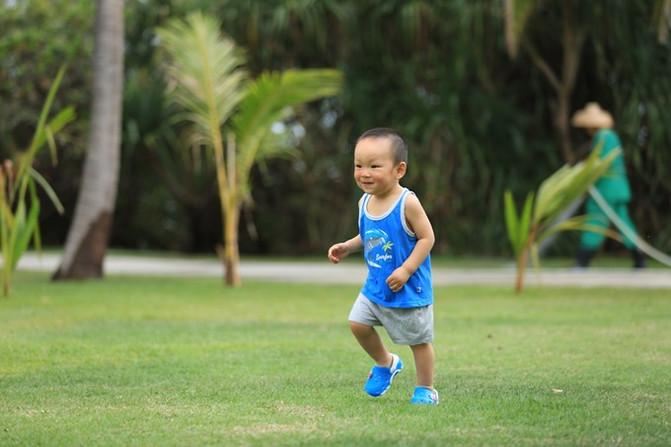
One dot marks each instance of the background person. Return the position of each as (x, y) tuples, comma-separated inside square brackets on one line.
[(613, 185)]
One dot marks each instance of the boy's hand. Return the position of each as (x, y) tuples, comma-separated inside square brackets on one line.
[(338, 252), (398, 278)]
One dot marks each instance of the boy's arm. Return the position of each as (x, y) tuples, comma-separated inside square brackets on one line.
[(419, 223), (340, 251)]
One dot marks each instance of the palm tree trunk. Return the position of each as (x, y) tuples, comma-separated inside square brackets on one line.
[(522, 261), (230, 252), (230, 209), (231, 247), (89, 232)]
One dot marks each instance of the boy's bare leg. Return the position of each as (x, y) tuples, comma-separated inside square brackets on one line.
[(371, 342), (424, 363)]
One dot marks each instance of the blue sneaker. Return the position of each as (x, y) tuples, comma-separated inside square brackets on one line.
[(424, 395), (379, 379)]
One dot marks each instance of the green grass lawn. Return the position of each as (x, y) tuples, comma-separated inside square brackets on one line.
[(187, 362)]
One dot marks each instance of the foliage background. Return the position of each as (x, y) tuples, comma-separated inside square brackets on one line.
[(477, 121)]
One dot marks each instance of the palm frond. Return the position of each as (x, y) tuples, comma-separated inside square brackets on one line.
[(576, 223), (518, 227), (512, 222), (270, 99), (567, 184), (207, 69)]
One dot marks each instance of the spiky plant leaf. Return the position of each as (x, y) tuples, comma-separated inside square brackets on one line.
[(512, 221), (567, 184), (18, 222), (518, 226)]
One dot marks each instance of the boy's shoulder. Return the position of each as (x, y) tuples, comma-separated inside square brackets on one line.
[(411, 199)]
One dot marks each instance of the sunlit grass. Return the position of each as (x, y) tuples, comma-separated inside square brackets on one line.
[(173, 361)]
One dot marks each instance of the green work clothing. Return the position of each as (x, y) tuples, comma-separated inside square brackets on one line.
[(591, 240), (614, 187)]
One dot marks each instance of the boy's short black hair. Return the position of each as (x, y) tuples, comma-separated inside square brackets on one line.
[(398, 143)]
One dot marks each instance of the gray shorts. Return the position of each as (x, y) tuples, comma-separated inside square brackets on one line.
[(412, 326)]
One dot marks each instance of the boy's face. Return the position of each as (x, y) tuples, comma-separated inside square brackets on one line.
[(374, 168)]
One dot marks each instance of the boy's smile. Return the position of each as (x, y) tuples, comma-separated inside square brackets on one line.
[(374, 168)]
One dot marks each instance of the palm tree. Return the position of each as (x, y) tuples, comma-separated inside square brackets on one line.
[(536, 220), (89, 232), (234, 116)]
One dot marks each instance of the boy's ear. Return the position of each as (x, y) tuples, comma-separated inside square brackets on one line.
[(400, 169)]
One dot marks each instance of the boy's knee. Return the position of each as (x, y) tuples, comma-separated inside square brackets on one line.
[(359, 328), (420, 347)]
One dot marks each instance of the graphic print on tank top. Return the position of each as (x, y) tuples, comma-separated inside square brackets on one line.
[(378, 248)]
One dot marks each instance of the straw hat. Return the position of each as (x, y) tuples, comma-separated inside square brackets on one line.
[(592, 116)]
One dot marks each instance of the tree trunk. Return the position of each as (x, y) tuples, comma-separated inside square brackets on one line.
[(561, 122), (230, 252), (89, 232), (522, 261), (573, 37)]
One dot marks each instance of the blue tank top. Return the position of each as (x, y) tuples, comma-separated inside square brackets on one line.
[(388, 242)]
